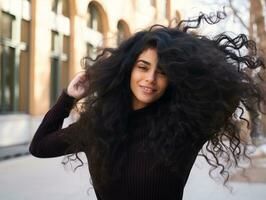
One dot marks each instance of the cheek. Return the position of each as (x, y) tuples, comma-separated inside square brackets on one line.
[(163, 83), (134, 77), (133, 80)]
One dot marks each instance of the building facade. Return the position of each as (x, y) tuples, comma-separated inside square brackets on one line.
[(42, 43)]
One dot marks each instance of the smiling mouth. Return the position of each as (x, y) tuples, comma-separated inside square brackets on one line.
[(148, 90)]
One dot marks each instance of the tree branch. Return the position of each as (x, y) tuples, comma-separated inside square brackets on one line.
[(235, 12)]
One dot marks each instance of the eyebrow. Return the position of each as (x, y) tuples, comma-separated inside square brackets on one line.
[(144, 61)]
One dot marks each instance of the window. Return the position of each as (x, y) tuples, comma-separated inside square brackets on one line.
[(94, 20), (122, 31), (60, 43), (14, 56), (61, 7), (94, 30), (7, 20), (8, 84)]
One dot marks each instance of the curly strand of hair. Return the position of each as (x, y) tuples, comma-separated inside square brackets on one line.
[(88, 61), (156, 26), (214, 162), (228, 45), (241, 116), (69, 160), (217, 148), (80, 160), (212, 18)]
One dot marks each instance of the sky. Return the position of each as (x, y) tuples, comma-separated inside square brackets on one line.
[(192, 8)]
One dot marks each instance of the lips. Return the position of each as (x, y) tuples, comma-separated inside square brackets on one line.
[(148, 90)]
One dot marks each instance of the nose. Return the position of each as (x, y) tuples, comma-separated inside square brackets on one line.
[(151, 77)]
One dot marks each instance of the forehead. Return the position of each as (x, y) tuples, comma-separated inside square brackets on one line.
[(149, 55)]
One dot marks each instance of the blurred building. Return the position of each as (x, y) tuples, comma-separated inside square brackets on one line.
[(41, 45)]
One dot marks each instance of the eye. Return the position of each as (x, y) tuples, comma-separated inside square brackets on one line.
[(143, 67)]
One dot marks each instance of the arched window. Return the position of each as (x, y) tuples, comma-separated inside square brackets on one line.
[(14, 56), (94, 29), (122, 31), (59, 49), (94, 20)]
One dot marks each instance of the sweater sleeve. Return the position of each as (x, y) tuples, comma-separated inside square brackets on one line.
[(49, 140)]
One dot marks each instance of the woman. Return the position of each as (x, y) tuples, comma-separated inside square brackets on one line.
[(150, 105)]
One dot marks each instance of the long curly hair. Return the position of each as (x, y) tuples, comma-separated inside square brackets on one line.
[(207, 80)]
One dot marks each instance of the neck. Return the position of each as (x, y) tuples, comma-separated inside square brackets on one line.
[(138, 106)]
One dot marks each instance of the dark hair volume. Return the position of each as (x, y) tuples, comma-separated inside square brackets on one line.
[(207, 84)]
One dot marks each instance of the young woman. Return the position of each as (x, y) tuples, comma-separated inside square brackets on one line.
[(149, 107)]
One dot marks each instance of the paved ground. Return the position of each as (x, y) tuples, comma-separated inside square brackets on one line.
[(29, 178), (248, 187)]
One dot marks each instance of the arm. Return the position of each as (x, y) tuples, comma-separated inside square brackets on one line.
[(49, 139)]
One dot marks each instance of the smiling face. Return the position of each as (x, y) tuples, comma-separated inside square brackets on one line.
[(148, 83)]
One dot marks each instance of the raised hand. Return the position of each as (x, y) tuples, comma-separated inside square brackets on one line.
[(78, 86)]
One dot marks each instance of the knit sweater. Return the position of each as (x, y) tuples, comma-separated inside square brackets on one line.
[(140, 179)]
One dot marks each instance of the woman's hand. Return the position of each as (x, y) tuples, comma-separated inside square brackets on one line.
[(78, 86)]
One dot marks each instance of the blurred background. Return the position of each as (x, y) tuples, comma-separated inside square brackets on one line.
[(43, 41)]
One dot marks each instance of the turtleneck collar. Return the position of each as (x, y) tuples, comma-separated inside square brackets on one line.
[(145, 110)]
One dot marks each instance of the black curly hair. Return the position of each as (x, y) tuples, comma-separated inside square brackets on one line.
[(207, 84)]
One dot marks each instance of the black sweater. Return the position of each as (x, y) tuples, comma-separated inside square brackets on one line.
[(139, 180)]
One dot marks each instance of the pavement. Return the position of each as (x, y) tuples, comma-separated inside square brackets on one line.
[(256, 172), (249, 184), (29, 178)]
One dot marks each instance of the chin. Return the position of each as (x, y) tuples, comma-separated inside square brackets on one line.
[(145, 101)]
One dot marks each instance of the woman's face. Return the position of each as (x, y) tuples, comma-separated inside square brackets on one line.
[(147, 83)]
